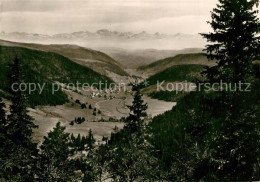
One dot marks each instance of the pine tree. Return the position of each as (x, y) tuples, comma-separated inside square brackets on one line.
[(20, 124), (135, 120), (133, 161), (233, 44), (55, 163), (3, 139), (95, 163), (90, 140), (21, 150), (2, 116), (234, 139)]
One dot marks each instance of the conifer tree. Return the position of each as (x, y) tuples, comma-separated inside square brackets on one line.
[(21, 150), (234, 137), (90, 140), (2, 116), (2, 139), (133, 161), (234, 44), (135, 120), (20, 124), (55, 163)]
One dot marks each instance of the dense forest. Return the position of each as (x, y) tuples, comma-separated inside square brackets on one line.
[(44, 67)]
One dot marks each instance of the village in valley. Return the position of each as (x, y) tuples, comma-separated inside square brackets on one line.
[(99, 110)]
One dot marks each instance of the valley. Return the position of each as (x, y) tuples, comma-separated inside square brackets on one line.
[(102, 110), (129, 91)]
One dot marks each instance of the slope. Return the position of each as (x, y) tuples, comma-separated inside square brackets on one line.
[(45, 67), (181, 59), (178, 73), (95, 60), (133, 59)]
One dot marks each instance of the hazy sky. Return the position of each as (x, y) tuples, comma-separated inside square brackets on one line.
[(64, 16)]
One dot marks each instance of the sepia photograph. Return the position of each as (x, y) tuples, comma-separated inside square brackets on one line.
[(129, 90)]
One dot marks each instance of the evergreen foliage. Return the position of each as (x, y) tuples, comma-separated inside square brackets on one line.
[(235, 45), (90, 140), (214, 136), (234, 42), (19, 152), (133, 159), (168, 96), (2, 116), (83, 106), (208, 136), (135, 120), (45, 67), (55, 163), (177, 73), (20, 124), (3, 139)]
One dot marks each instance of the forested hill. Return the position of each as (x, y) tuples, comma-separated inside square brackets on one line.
[(181, 59), (45, 67), (95, 60)]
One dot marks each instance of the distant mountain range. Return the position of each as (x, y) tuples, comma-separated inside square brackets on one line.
[(104, 33), (107, 38)]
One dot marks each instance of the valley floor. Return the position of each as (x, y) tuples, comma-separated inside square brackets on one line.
[(113, 106)]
